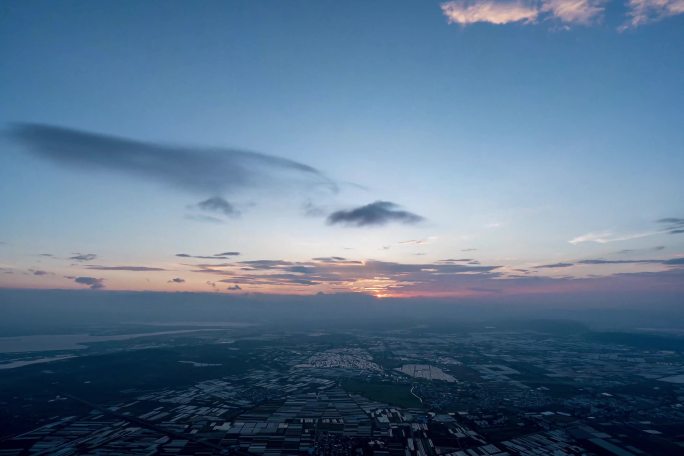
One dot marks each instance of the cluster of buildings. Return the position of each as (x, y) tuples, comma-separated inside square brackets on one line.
[(483, 394)]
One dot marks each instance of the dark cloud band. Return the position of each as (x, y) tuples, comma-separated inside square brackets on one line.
[(213, 171)]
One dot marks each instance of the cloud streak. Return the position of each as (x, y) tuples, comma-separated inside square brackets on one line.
[(217, 256), (500, 12), (373, 214), (600, 261), (583, 12), (125, 268), (464, 12), (555, 266), (197, 169), (606, 237), (672, 225), (83, 257), (669, 225), (641, 12)]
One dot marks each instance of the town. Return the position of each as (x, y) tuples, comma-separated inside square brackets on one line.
[(412, 392)]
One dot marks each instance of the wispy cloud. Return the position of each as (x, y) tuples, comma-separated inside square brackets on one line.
[(311, 209), (177, 280), (672, 225), (39, 272), (457, 260), (582, 12), (494, 12), (566, 12), (217, 256), (373, 214), (231, 253), (125, 268), (198, 169), (554, 266), (600, 262), (423, 241), (643, 12), (668, 225), (499, 12), (336, 260), (83, 257), (631, 251), (605, 237)]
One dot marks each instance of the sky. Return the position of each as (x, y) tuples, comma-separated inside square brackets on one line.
[(397, 149)]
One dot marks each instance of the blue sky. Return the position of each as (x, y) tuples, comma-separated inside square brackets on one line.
[(512, 128)]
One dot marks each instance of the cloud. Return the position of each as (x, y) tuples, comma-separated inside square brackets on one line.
[(311, 209), (91, 282), (669, 225), (605, 237), (582, 12), (626, 251), (426, 240), (341, 274), (176, 280), (674, 261), (336, 260), (456, 260), (672, 225), (218, 205), (602, 261), (555, 265), (642, 12), (670, 262), (83, 257), (124, 268), (197, 169), (451, 277), (495, 12), (39, 272), (265, 264), (217, 256), (500, 12), (373, 214)]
